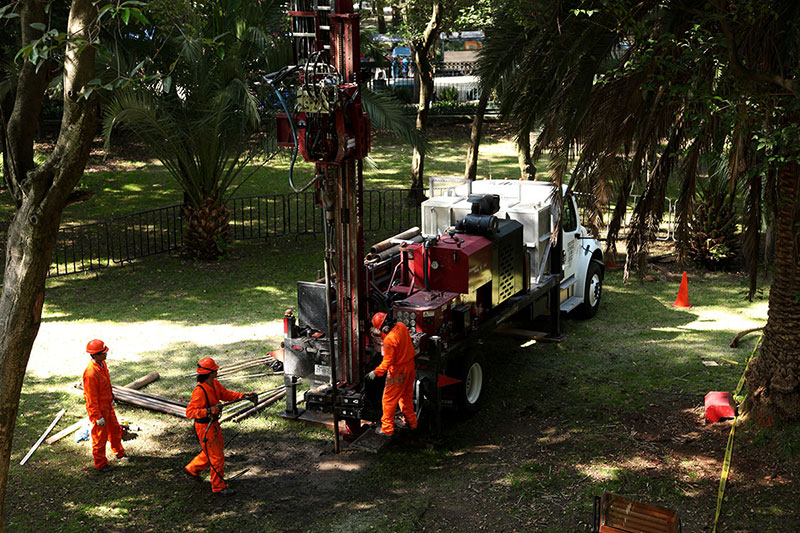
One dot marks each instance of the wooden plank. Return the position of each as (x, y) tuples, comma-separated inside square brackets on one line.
[(635, 523), (143, 381), (47, 431), (621, 514)]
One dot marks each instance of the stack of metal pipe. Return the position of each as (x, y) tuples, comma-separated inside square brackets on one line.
[(391, 246)]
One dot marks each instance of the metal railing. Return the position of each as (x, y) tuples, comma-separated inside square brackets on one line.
[(122, 239), (452, 78), (119, 240)]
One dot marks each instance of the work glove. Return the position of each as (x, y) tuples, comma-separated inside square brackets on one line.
[(251, 396), (372, 375), (101, 422), (213, 411)]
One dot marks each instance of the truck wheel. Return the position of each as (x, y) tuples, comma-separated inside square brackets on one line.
[(473, 376), (592, 292)]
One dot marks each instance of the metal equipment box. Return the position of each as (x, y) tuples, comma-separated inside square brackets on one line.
[(460, 263), (427, 311)]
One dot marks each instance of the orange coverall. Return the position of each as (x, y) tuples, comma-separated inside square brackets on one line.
[(398, 366), (204, 395), (97, 391)]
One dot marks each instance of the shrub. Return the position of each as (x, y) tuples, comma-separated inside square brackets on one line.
[(447, 94), (453, 108)]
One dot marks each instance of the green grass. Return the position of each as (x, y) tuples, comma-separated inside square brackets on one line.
[(554, 405), (146, 185), (612, 407)]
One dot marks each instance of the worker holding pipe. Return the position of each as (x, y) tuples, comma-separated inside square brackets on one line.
[(99, 398), (205, 408), (398, 367)]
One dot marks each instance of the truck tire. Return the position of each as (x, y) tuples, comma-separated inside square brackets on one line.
[(592, 292), (472, 373)]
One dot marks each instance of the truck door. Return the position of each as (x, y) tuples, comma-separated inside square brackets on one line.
[(570, 248)]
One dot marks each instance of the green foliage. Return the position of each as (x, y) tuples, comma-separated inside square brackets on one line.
[(453, 108), (714, 240), (387, 113), (203, 119), (475, 15), (447, 94)]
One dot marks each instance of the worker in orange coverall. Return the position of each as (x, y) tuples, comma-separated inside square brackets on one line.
[(97, 391), (398, 367), (204, 408)]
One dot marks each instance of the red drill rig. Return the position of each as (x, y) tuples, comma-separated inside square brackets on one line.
[(451, 287)]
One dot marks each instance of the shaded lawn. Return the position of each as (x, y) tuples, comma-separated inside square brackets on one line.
[(130, 182), (617, 406)]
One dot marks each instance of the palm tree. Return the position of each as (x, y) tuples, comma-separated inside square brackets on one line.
[(202, 116), (653, 91)]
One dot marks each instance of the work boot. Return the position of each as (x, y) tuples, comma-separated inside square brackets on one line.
[(380, 432), (124, 459), (227, 491), (107, 468)]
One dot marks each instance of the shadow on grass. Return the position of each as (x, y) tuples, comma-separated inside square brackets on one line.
[(256, 283), (617, 406)]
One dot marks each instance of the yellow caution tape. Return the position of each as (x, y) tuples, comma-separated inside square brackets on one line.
[(741, 379), (726, 463), (726, 467)]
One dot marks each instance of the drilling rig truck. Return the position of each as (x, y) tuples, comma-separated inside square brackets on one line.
[(486, 251)]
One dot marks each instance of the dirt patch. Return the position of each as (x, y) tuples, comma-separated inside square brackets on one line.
[(542, 474)]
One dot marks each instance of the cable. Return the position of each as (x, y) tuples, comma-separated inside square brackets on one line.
[(294, 136), (204, 445)]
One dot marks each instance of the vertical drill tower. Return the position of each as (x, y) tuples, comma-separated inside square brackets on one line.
[(332, 131)]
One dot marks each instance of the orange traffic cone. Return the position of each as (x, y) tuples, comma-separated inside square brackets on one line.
[(683, 293)]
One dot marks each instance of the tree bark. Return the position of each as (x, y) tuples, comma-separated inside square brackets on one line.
[(527, 171), (471, 170), (207, 229), (41, 193), (421, 49), (773, 376)]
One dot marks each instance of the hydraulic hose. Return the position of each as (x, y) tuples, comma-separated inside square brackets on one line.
[(294, 136)]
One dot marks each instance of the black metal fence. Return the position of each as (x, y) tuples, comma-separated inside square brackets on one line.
[(91, 247)]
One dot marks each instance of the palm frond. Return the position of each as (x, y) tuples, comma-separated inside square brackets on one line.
[(650, 209), (684, 208)]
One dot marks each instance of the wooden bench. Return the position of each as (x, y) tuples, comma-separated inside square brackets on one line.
[(617, 514)]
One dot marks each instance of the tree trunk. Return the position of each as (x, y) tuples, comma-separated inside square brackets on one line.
[(41, 193), (471, 170), (773, 377), (527, 171), (421, 49), (396, 15), (207, 229)]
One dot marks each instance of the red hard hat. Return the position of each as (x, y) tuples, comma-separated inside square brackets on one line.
[(378, 319), (96, 346), (206, 365)]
